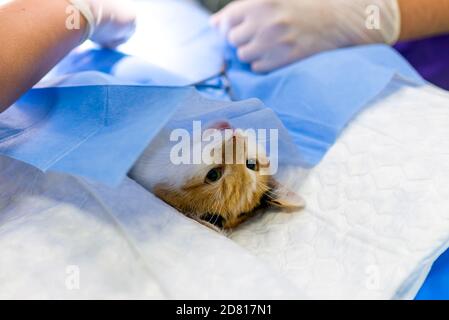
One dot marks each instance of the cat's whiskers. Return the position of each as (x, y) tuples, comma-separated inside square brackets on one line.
[(218, 206), (266, 190), (263, 184)]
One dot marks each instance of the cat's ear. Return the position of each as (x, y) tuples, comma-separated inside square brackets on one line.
[(282, 197)]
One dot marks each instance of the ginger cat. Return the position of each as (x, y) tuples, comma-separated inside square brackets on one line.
[(220, 194)]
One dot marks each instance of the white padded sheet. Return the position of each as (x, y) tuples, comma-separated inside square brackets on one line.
[(377, 207), (377, 216)]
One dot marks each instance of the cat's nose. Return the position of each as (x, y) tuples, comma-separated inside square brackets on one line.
[(220, 125)]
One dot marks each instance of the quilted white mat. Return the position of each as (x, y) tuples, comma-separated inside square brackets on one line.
[(377, 207), (377, 216)]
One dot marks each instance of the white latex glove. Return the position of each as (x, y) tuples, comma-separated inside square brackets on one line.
[(110, 22), (273, 33)]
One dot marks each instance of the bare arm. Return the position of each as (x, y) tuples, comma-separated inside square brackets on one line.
[(34, 38), (423, 18)]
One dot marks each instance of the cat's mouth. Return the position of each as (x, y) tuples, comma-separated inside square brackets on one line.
[(214, 219), (220, 222)]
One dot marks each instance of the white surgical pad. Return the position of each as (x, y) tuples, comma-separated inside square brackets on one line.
[(377, 211), (377, 216)]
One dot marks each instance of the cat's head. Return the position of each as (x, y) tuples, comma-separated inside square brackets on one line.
[(226, 193)]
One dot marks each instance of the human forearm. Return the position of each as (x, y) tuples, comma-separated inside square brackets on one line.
[(422, 18), (37, 34), (34, 38)]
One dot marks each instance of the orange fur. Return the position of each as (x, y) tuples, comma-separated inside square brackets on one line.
[(228, 198), (234, 197)]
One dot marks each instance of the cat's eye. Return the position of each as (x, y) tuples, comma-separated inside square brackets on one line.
[(252, 164), (214, 175)]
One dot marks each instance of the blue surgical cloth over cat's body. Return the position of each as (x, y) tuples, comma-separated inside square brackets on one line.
[(96, 112), (90, 131), (99, 131)]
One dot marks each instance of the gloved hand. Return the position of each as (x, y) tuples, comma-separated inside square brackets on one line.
[(273, 33), (110, 22)]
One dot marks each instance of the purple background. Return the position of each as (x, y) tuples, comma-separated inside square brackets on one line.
[(430, 57)]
